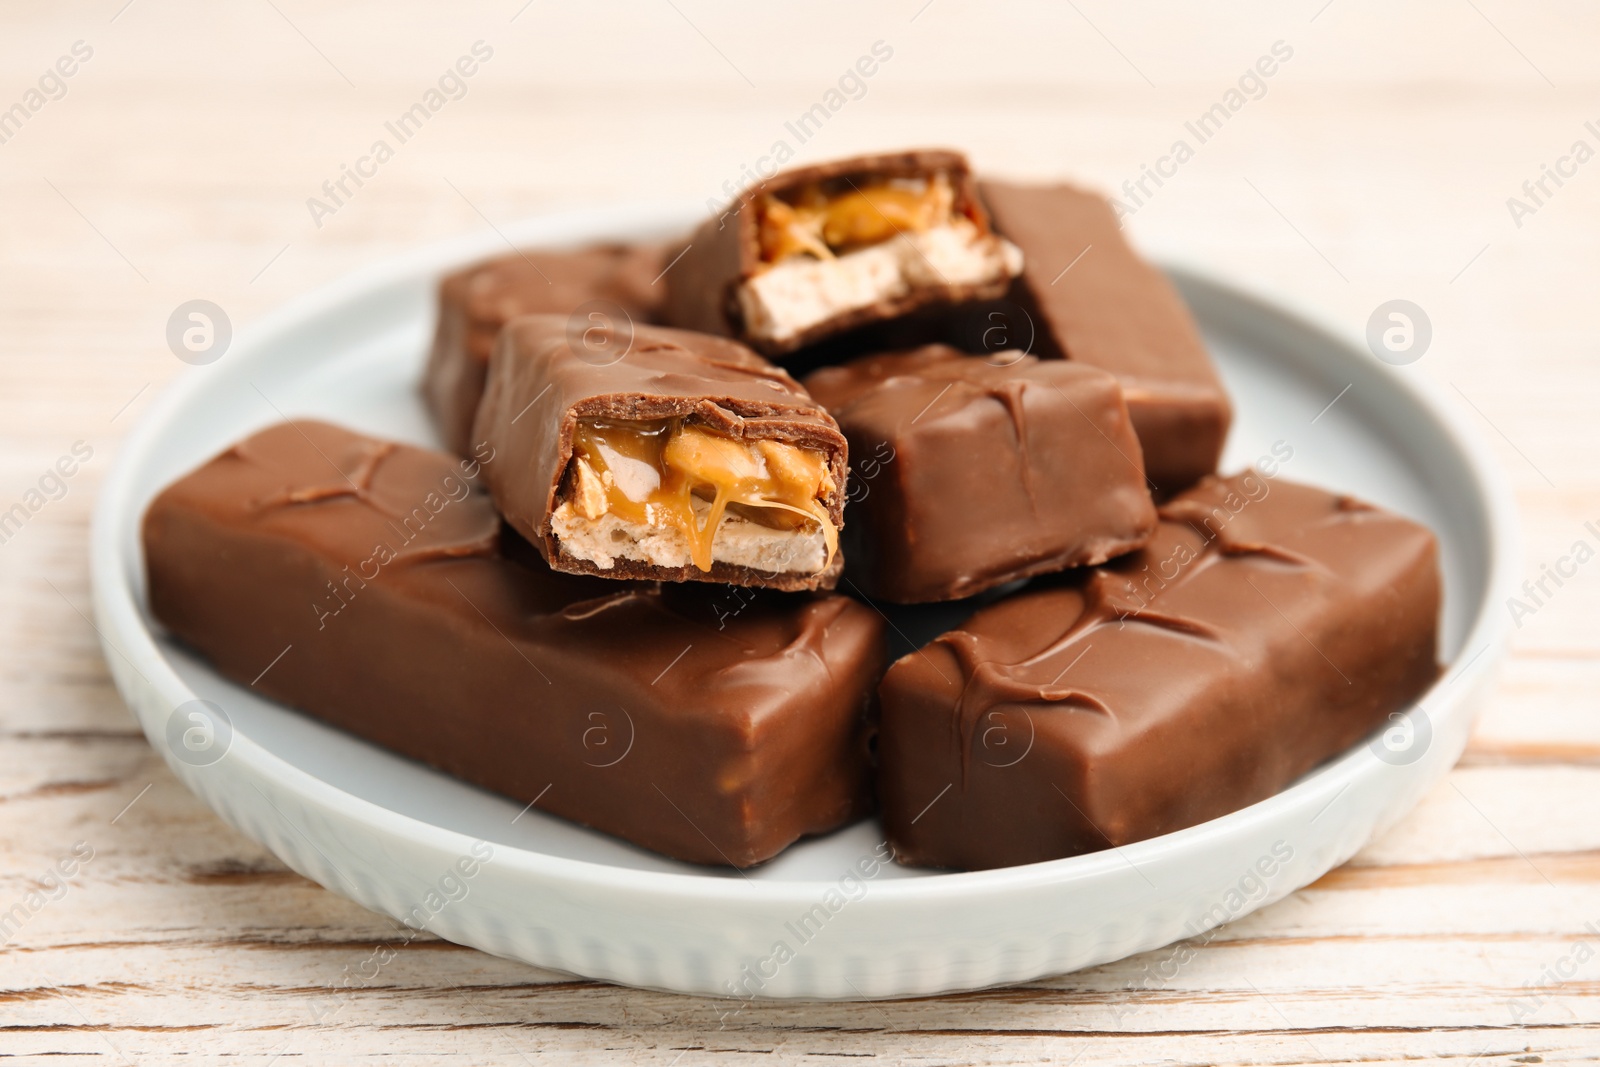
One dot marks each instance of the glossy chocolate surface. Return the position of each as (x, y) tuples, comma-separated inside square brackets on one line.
[(371, 585), (1266, 628), (1089, 297), (474, 303), (970, 472)]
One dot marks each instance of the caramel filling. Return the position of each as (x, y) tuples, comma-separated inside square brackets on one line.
[(824, 222), (652, 473)]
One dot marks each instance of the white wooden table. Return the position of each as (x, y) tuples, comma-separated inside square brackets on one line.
[(1375, 162)]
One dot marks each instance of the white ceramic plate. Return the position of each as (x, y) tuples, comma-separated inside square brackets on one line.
[(391, 834)]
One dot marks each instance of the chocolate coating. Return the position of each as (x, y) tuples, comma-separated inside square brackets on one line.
[(725, 251), (539, 387), (969, 473), (1266, 628), (474, 303), (712, 730), (1093, 300)]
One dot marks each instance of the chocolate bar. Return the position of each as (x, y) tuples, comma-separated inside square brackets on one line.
[(816, 251), (1086, 295), (476, 302), (675, 456), (370, 584), (971, 472), (1266, 628)]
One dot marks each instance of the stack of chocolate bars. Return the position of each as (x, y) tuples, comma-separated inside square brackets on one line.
[(649, 588)]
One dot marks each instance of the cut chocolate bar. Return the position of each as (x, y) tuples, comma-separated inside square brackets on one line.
[(1089, 297), (982, 471), (816, 251), (368, 584), (679, 456), (476, 302), (1266, 628)]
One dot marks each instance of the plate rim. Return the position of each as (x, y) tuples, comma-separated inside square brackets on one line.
[(117, 614)]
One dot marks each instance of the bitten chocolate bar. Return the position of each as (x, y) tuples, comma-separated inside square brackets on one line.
[(816, 251), (1265, 629), (367, 583), (676, 456), (984, 470), (1093, 300), (476, 302)]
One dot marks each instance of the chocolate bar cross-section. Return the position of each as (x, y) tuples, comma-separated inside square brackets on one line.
[(677, 456), (816, 251)]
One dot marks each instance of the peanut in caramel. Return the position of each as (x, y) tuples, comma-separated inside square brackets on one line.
[(823, 224), (650, 473)]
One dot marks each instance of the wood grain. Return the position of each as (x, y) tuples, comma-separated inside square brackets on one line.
[(1376, 164)]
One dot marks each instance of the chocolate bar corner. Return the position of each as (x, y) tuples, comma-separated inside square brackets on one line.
[(477, 300), (1092, 299)]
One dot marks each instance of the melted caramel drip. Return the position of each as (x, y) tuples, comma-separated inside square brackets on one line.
[(820, 223), (650, 473)]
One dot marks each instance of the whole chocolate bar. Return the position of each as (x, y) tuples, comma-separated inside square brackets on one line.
[(969, 472), (367, 583), (676, 456), (476, 302), (815, 251), (1265, 629), (1091, 299)]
